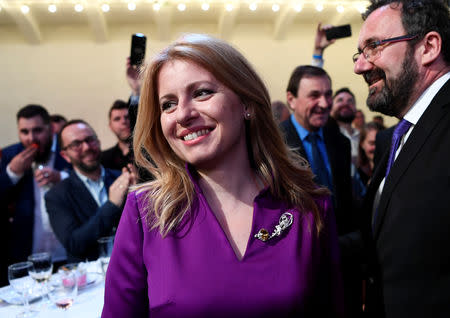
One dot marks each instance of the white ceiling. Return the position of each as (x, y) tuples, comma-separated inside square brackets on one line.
[(29, 23)]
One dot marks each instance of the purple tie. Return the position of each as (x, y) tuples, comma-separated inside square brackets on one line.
[(400, 130)]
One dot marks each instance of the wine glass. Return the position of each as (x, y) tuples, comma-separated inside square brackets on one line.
[(63, 293), (42, 269), (22, 283), (105, 245)]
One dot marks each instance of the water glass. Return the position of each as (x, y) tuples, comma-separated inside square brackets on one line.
[(105, 245), (41, 270), (22, 283)]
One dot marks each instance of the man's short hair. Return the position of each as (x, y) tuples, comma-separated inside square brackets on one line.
[(57, 118), (70, 123), (32, 110), (344, 90), (420, 17), (118, 104), (301, 72)]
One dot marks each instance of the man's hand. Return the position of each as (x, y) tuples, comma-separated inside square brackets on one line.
[(321, 41), (23, 160), (46, 176), (119, 188), (133, 78)]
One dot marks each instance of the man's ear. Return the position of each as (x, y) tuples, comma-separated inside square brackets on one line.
[(290, 99), (431, 47), (65, 156)]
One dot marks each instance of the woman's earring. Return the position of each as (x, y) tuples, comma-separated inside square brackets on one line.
[(247, 115)]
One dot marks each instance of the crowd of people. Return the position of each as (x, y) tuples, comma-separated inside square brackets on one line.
[(224, 203)]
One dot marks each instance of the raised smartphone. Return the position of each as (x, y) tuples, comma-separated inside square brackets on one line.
[(138, 41), (338, 32)]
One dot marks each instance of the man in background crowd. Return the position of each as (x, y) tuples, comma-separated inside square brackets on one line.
[(120, 155), (57, 122), (88, 204), (344, 111), (27, 170)]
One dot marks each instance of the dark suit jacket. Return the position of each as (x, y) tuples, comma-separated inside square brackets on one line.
[(382, 145), (113, 158), (76, 218), (339, 156), (17, 204), (408, 246)]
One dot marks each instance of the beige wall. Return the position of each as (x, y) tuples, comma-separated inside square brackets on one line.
[(71, 74)]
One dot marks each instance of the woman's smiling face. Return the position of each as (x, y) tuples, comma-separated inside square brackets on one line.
[(202, 120)]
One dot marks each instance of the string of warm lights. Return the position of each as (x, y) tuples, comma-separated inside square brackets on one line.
[(205, 5)]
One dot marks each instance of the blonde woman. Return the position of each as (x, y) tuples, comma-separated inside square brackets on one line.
[(232, 225)]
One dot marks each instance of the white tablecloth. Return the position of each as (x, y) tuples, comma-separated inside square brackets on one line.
[(88, 304)]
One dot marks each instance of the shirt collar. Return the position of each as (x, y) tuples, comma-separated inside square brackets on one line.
[(420, 106), (302, 132), (87, 180)]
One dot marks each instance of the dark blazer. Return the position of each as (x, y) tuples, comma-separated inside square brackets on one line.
[(409, 268), (17, 204), (76, 218), (339, 156), (382, 145)]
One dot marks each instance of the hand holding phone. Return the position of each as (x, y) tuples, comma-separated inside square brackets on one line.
[(138, 42), (338, 32)]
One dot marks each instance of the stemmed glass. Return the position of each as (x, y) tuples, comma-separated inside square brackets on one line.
[(22, 283), (105, 245), (64, 292), (42, 269)]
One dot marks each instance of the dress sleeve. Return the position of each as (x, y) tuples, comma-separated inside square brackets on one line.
[(126, 291)]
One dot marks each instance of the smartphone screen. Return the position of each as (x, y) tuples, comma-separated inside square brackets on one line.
[(138, 42), (338, 32)]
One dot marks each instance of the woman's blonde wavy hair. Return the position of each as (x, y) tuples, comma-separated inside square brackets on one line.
[(170, 195)]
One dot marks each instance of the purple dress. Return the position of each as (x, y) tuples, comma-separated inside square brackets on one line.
[(194, 272)]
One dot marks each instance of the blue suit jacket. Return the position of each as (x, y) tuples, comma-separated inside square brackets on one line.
[(77, 220), (17, 205)]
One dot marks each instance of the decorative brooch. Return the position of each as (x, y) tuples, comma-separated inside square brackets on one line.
[(284, 222)]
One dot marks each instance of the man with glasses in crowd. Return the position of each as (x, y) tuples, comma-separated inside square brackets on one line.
[(88, 204), (404, 56)]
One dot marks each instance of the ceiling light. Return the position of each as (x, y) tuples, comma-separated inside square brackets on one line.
[(52, 8), (229, 7), (298, 7), (156, 6), (25, 9), (105, 7), (340, 8), (78, 7), (253, 6), (319, 7), (205, 6), (181, 7), (275, 7), (131, 6)]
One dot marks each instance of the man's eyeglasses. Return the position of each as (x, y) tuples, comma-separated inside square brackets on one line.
[(76, 144), (372, 50)]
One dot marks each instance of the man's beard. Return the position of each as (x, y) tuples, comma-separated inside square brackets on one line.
[(42, 157), (393, 100), (345, 118), (87, 168)]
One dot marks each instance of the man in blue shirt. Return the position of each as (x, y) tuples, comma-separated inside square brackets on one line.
[(309, 132)]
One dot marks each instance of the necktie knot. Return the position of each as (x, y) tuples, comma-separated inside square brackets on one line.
[(401, 128)]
